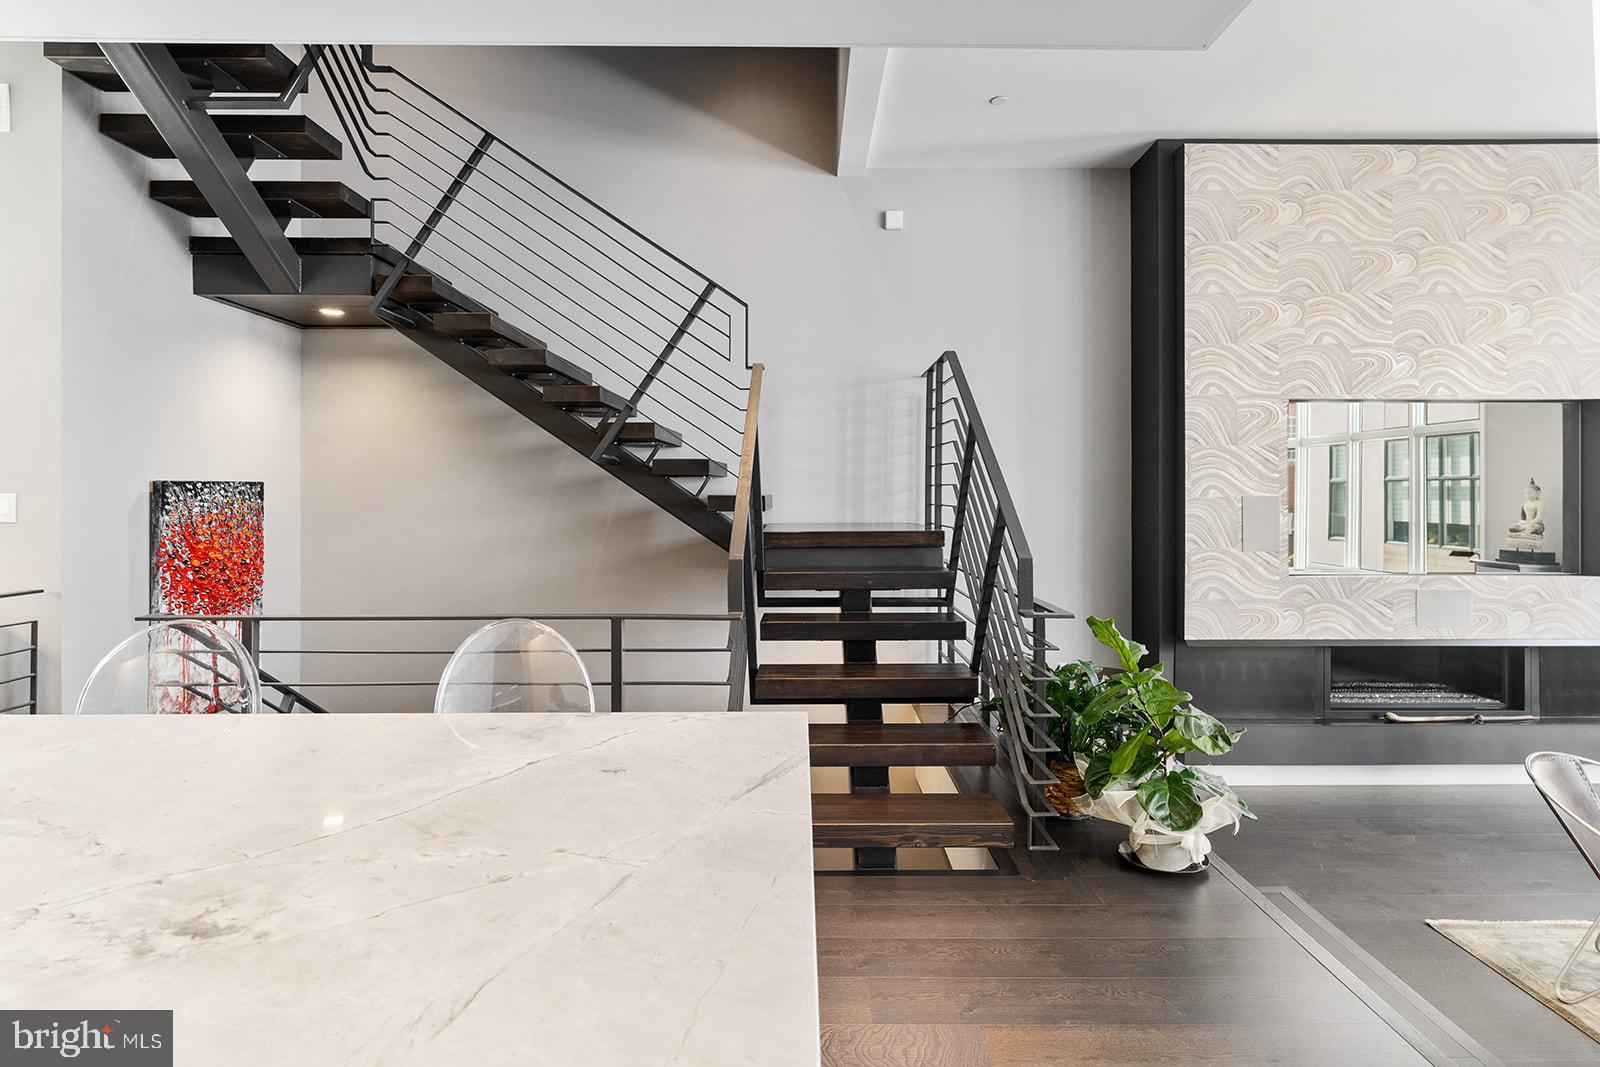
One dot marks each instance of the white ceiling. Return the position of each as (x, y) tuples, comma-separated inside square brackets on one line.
[(1283, 68), (985, 23)]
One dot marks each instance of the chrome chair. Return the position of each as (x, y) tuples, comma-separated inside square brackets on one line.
[(182, 667), (515, 665), (1562, 781)]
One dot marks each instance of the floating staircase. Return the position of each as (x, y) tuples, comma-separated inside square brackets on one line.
[(848, 566), (553, 352), (610, 343)]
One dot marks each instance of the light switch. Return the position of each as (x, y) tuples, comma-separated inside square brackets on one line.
[(894, 220), (8, 507), (5, 107)]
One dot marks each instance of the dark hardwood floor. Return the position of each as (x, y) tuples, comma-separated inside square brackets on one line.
[(1378, 862), (1076, 959)]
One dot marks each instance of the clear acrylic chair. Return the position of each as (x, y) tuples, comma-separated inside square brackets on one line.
[(1565, 786), (182, 667), (515, 665)]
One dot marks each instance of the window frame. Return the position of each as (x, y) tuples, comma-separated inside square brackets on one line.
[(1416, 433)]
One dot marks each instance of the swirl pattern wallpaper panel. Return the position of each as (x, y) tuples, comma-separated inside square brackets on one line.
[(1373, 271)]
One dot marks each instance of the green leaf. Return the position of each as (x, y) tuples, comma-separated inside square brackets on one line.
[(1129, 653), (1122, 759), (1161, 698), (1169, 799), (1217, 787), (1111, 700), (1206, 733), (1097, 775), (1149, 759), (1175, 743)]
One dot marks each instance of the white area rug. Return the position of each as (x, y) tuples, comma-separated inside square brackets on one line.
[(1531, 954)]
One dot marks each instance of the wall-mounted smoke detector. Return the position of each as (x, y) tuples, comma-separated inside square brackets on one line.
[(1000, 100)]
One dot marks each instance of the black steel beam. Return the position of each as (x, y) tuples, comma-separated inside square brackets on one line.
[(153, 76)]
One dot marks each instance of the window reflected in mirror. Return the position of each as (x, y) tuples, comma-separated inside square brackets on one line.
[(1431, 487)]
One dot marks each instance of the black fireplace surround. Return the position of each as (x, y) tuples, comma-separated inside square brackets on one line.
[(1300, 699)]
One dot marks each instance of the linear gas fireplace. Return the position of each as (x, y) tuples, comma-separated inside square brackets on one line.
[(1416, 683)]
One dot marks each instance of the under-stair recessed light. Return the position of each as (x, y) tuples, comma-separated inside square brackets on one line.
[(999, 100), (332, 313)]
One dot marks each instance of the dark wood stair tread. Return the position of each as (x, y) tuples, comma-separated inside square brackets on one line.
[(725, 501), (256, 136), (852, 537), (534, 363), (876, 744), (900, 683), (256, 68), (300, 200), (862, 626), (910, 820), (483, 328), (425, 291), (584, 397), (689, 467), (644, 432), (860, 578)]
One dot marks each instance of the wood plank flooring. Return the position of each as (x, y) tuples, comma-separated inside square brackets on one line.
[(1076, 959), (1378, 862)]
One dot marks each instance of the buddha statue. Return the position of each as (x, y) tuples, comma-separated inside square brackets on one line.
[(1527, 535)]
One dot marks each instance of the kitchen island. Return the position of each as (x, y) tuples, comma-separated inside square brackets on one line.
[(385, 889)]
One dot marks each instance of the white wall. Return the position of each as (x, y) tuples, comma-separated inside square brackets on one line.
[(721, 157), (30, 362), (157, 384), (423, 494)]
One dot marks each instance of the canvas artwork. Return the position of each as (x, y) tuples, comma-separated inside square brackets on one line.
[(207, 557)]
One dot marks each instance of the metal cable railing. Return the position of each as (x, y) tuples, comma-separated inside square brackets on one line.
[(966, 496), (19, 661), (454, 200), (358, 668)]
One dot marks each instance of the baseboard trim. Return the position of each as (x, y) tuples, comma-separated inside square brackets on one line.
[(1243, 775)]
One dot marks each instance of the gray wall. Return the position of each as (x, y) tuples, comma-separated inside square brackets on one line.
[(30, 361), (156, 384), (722, 157)]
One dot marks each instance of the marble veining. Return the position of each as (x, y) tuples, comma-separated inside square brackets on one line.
[(369, 889), (1369, 271)]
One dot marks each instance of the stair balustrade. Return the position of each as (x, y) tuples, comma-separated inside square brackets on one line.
[(455, 200), (676, 651), (19, 660), (967, 496)]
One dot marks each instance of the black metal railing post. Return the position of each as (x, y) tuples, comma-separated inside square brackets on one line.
[(617, 670), (621, 418), (33, 667), (435, 217)]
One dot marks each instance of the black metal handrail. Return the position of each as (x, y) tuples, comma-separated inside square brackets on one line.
[(454, 198), (29, 678), (967, 496), (613, 682)]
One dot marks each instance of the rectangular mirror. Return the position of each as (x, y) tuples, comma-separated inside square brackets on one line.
[(1432, 487)]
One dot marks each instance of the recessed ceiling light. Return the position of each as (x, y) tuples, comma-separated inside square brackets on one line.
[(998, 100), (332, 313)]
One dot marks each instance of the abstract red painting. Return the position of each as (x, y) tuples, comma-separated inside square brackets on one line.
[(207, 548)]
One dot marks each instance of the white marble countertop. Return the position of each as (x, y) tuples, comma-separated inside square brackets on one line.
[(368, 889)]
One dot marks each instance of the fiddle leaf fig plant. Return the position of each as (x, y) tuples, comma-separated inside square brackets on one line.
[(1153, 723)]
